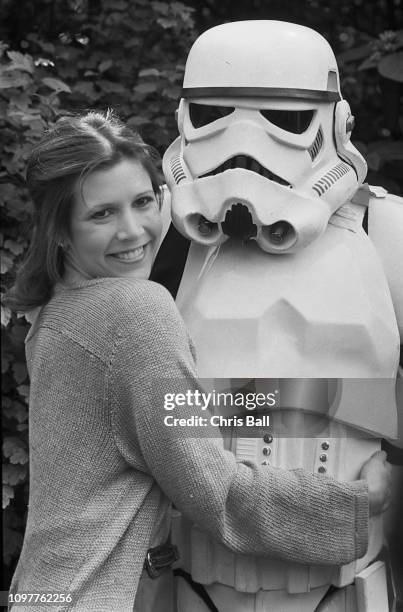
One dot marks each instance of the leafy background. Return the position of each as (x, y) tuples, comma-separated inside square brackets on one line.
[(66, 56)]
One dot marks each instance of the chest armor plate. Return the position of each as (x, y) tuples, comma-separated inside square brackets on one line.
[(325, 312)]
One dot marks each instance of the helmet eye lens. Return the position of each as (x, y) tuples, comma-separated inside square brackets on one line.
[(291, 121), (203, 114)]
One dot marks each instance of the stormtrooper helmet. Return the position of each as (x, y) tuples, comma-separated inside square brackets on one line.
[(264, 151)]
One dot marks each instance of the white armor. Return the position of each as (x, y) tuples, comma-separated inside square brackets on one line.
[(281, 279)]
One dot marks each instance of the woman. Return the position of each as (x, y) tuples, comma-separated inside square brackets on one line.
[(105, 349)]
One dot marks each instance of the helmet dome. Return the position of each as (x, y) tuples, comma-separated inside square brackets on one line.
[(267, 59)]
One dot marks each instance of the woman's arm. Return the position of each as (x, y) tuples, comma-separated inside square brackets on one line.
[(290, 514)]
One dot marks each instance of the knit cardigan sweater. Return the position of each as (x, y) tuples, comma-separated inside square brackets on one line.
[(104, 468)]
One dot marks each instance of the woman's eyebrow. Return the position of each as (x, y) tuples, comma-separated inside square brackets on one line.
[(143, 193), (110, 204), (89, 210), (102, 205)]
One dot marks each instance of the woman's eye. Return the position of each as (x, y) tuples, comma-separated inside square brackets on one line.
[(143, 201), (101, 214)]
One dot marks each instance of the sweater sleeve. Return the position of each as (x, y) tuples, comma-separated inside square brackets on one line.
[(289, 514)]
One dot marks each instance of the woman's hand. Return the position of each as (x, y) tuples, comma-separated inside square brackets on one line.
[(378, 474)]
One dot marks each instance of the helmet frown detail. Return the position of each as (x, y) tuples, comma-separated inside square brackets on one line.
[(264, 139)]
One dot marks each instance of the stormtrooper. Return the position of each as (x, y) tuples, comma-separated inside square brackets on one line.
[(283, 288)]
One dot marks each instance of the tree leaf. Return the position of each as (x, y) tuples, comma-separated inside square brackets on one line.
[(137, 120), (13, 474), (161, 7), (5, 315), (105, 65), (5, 361), (374, 161), (56, 84), (20, 61), (14, 450), (20, 372), (3, 48), (15, 410), (367, 64), (391, 67), (15, 247), (167, 22), (87, 89), (111, 86), (16, 79), (23, 390), (145, 88), (6, 263), (149, 72), (8, 494)]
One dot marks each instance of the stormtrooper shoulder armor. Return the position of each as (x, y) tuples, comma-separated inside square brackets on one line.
[(385, 228)]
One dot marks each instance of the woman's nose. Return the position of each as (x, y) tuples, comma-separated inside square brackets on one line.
[(129, 226)]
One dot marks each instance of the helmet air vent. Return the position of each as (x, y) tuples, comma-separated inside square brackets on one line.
[(331, 177), (177, 170), (317, 145)]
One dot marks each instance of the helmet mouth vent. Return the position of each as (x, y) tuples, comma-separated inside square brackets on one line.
[(247, 163), (238, 223)]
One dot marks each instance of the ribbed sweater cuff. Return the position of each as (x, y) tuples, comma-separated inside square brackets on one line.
[(361, 517)]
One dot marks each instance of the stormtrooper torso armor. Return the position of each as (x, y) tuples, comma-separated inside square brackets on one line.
[(281, 279), (295, 320)]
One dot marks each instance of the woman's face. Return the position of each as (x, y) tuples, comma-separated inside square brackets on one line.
[(115, 224)]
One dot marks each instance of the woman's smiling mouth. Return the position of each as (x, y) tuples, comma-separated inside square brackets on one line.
[(130, 255)]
